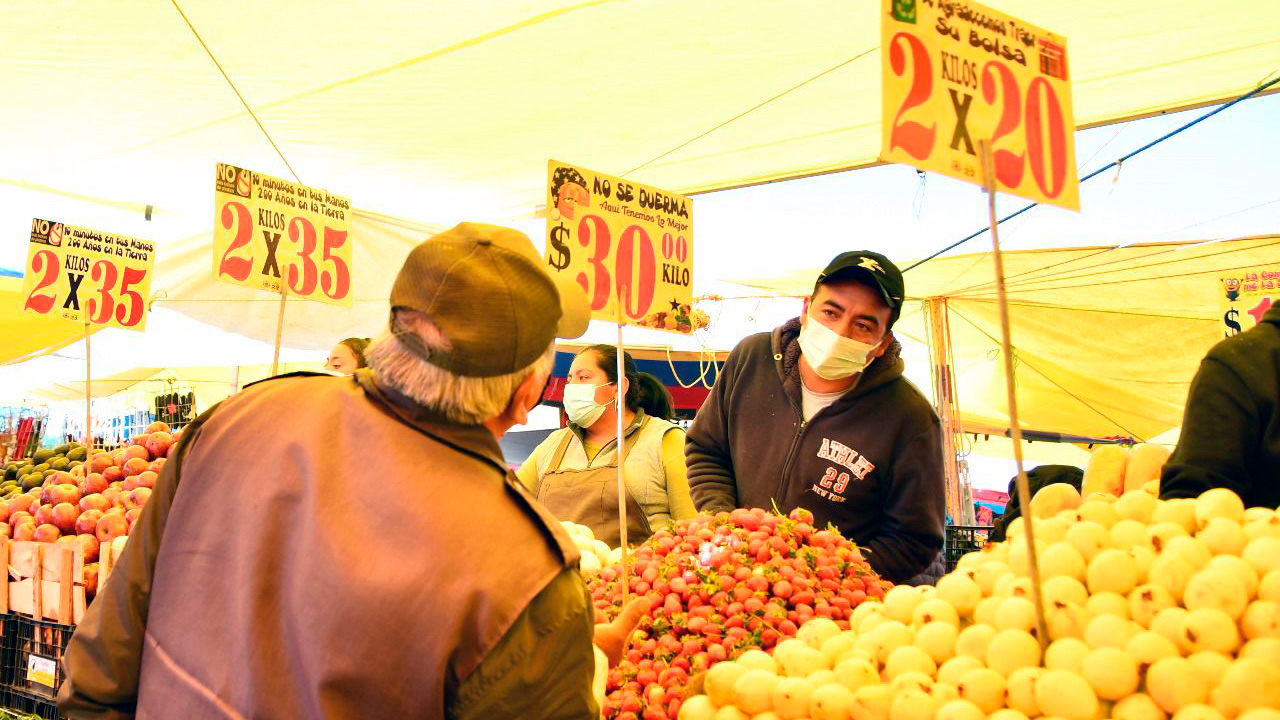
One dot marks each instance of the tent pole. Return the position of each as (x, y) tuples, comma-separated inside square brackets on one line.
[(275, 360), (1006, 350), (88, 395), (620, 406), (943, 390)]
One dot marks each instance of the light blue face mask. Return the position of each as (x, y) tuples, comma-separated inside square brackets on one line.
[(580, 404)]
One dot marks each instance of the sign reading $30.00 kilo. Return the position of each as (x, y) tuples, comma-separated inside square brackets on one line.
[(618, 238)]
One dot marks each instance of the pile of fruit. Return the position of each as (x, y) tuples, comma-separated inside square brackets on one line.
[(93, 502), (595, 553), (1154, 609), (721, 586), (23, 476)]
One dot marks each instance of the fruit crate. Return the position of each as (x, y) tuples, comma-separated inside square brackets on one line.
[(963, 539), (34, 663), (24, 706)]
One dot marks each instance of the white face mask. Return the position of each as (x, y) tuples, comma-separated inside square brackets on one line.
[(580, 404), (830, 355)]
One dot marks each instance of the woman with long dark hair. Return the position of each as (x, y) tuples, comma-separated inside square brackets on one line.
[(574, 471)]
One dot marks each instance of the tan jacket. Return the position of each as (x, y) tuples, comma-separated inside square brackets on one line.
[(333, 551)]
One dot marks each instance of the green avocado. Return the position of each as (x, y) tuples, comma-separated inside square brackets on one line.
[(62, 449), (40, 468), (42, 456), (60, 463), (32, 481), (77, 453)]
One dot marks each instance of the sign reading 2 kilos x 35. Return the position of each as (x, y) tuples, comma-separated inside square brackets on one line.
[(616, 237), (276, 235), (957, 72), (86, 276)]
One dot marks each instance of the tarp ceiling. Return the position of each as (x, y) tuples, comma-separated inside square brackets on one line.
[(1106, 339), (437, 112)]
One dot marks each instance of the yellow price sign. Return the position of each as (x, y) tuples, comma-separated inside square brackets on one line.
[(956, 73), (280, 236), (620, 238), (87, 276)]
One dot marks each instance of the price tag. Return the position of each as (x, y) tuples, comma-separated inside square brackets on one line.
[(956, 72), (609, 233), (86, 276), (42, 671), (1246, 297), (275, 235)]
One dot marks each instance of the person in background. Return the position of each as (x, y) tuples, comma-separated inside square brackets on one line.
[(1231, 425), (337, 598), (818, 415), (348, 356), (1037, 478), (573, 470)]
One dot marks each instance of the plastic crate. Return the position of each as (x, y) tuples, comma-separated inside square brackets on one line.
[(25, 705), (34, 662), (961, 540)]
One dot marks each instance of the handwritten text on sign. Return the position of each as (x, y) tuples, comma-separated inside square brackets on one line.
[(1246, 296), (613, 235), (276, 235), (88, 277), (955, 73)]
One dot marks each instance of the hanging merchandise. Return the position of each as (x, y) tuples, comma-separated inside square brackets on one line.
[(177, 409)]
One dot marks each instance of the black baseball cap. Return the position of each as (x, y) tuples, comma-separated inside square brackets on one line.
[(871, 265)]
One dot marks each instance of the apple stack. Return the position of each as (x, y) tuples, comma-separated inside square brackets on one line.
[(595, 553), (1154, 609), (94, 503), (719, 587)]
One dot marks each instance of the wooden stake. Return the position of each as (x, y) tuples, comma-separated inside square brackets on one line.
[(4, 563), (66, 585), (620, 406), (88, 397), (275, 360), (1015, 430)]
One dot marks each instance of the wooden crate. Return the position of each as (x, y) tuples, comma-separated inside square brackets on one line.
[(49, 578)]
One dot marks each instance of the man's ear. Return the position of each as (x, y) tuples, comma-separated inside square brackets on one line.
[(884, 345), (526, 397), (804, 314)]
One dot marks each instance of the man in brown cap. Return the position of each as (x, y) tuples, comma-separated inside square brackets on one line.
[(324, 547)]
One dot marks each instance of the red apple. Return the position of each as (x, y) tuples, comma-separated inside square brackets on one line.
[(158, 444), (44, 515), (25, 530), (130, 483), (20, 516), (91, 577), (137, 498), (61, 494), (65, 516), (147, 479), (47, 533), (94, 483), (113, 474), (157, 465), (77, 472), (100, 462), (112, 494), (94, 501), (116, 509), (118, 457), (137, 451), (135, 465), (65, 540), (157, 427), (139, 440), (111, 526), (89, 544), (6, 529), (87, 523), (132, 516), (20, 503), (4, 512)]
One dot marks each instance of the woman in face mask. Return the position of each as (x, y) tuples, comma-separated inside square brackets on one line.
[(574, 471)]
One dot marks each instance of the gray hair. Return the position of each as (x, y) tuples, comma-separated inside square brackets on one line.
[(465, 400)]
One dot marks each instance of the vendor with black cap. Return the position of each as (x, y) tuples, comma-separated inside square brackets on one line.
[(816, 414)]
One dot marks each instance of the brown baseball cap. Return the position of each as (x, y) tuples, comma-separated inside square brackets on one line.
[(486, 288)]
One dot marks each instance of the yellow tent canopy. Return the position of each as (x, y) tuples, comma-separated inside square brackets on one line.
[(24, 335), (436, 112), (1106, 339)]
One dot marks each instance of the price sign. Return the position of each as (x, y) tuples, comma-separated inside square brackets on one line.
[(1246, 297), (613, 235), (955, 73), (42, 671), (276, 235), (86, 276)]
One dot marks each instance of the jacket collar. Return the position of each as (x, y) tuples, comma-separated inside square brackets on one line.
[(636, 422), (475, 440), (786, 355)]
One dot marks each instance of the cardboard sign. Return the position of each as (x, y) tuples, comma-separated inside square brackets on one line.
[(1246, 297), (86, 276), (42, 671), (956, 72), (614, 236), (279, 236)]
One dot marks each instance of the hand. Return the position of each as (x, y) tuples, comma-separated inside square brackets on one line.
[(612, 638)]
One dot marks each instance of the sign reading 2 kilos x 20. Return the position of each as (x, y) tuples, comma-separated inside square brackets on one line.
[(614, 236), (86, 276), (957, 72), (275, 235)]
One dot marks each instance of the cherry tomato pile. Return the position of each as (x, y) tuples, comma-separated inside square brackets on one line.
[(719, 586)]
